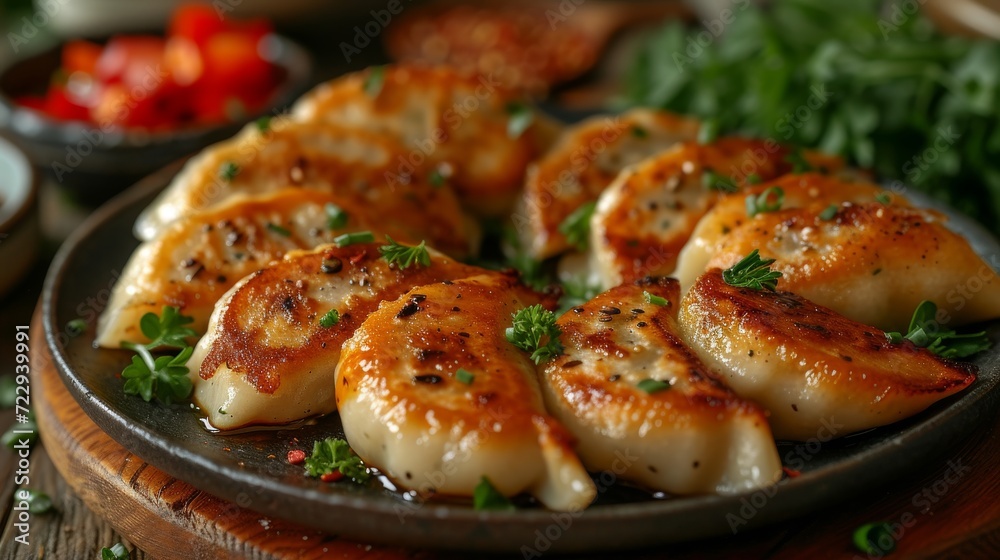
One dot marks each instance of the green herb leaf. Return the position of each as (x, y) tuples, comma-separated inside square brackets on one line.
[(405, 255), (333, 454), (768, 201), (486, 498), (829, 212), (349, 239), (534, 330), (926, 332), (11, 440), (708, 131), (282, 231), (165, 377), (752, 272), (166, 330), (374, 81), (76, 327), (715, 182), (336, 217), (116, 552), (436, 178), (875, 539), (753, 179), (329, 319), (883, 198), (655, 299), (228, 171), (263, 124), (799, 162), (653, 385), (577, 291), (465, 376), (576, 226), (519, 118), (38, 502), (8, 391)]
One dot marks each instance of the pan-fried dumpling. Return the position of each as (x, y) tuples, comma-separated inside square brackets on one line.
[(192, 262), (644, 218), (870, 262), (807, 190), (818, 373), (352, 163), (691, 436), (269, 356), (585, 159), (429, 384), (475, 130)]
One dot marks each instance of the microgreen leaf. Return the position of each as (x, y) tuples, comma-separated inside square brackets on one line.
[(333, 454), (486, 497), (926, 332), (403, 256), (534, 330), (752, 272)]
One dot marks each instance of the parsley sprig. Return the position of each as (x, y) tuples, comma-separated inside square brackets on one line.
[(164, 377), (926, 332), (334, 454), (534, 330), (768, 201), (486, 497), (752, 272), (576, 226), (405, 255)]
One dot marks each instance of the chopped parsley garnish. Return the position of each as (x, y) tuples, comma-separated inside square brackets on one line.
[(715, 182), (436, 178), (336, 217), (465, 376), (486, 497), (228, 171), (708, 131), (374, 81), (519, 118), (798, 161), (329, 319), (883, 198), (926, 332), (655, 299), (349, 239), (534, 330), (163, 377), (653, 385), (875, 539), (38, 502), (263, 124), (405, 255), (752, 272), (753, 179), (334, 454), (116, 552), (768, 201), (282, 231), (829, 212), (76, 327), (576, 226)]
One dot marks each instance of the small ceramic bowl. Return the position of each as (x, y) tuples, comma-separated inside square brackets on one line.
[(92, 165), (20, 235)]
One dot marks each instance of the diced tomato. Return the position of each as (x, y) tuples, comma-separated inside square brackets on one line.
[(80, 56), (184, 60), (59, 106), (232, 62), (130, 59), (197, 22)]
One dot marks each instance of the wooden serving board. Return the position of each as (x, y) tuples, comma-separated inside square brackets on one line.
[(168, 518)]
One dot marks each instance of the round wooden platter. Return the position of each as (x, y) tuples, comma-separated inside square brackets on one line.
[(945, 510)]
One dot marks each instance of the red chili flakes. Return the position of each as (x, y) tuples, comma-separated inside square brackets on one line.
[(332, 476), (358, 257), (790, 473), (296, 456)]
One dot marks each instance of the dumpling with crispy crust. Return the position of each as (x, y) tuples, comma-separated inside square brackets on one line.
[(429, 386), (627, 385), (817, 373), (644, 218), (274, 339), (871, 262), (582, 163), (471, 129), (352, 163)]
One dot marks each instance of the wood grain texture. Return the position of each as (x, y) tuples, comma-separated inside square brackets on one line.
[(168, 518)]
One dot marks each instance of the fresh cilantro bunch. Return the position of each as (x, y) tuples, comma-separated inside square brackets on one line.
[(888, 92), (165, 377)]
